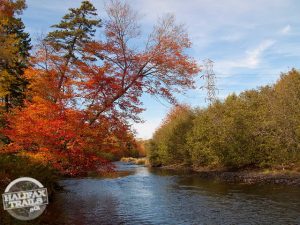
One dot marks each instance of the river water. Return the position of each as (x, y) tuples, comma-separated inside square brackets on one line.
[(142, 195)]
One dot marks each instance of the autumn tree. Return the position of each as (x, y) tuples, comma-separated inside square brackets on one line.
[(160, 68), (50, 127), (64, 48), (257, 128), (84, 91)]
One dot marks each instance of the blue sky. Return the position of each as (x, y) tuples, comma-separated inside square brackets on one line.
[(251, 42)]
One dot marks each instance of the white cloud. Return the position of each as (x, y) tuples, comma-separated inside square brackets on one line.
[(285, 30), (254, 56), (250, 60)]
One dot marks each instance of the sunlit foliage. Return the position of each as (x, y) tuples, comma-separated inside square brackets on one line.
[(258, 128), (84, 92)]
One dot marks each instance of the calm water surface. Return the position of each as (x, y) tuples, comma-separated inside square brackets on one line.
[(154, 196)]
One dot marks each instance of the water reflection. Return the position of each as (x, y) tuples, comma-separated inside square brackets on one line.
[(139, 195)]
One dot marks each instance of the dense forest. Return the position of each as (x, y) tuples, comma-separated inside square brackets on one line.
[(257, 128)]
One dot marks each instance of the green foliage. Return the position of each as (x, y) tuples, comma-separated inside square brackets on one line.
[(14, 54), (258, 128), (169, 142), (75, 29)]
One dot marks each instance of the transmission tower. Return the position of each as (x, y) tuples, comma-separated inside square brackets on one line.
[(209, 78)]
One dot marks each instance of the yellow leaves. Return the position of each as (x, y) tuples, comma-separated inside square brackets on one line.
[(8, 55), (8, 48), (40, 157), (5, 80), (8, 8)]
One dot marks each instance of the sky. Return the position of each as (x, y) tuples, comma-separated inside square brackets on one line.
[(250, 42)]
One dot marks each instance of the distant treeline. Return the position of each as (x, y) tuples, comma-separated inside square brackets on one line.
[(257, 128)]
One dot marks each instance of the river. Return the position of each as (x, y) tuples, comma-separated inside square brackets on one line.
[(154, 196)]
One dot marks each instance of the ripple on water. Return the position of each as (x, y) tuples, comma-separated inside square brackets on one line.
[(147, 196)]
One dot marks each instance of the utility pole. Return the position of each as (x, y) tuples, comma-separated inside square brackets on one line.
[(209, 78)]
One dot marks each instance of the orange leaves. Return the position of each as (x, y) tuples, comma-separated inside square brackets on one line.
[(83, 92), (8, 8), (50, 133)]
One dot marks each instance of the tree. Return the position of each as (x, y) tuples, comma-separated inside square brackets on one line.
[(84, 91), (257, 128), (64, 46), (14, 53), (160, 68), (169, 143)]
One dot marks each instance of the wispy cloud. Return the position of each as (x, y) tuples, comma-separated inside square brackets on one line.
[(250, 60), (253, 57), (285, 30)]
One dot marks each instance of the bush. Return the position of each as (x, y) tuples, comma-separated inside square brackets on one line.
[(14, 166), (169, 141), (258, 128)]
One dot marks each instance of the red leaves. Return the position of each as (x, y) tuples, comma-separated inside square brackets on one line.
[(52, 134), (78, 107)]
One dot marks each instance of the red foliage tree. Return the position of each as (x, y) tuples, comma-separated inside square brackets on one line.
[(84, 91)]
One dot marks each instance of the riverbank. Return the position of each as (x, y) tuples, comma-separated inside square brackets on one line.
[(246, 176), (136, 161), (14, 166)]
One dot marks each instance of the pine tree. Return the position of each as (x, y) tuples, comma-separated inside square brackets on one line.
[(14, 48), (76, 29)]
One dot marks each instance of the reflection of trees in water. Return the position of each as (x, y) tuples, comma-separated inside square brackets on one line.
[(79, 207), (169, 172)]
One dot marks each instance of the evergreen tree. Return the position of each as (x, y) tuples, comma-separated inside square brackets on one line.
[(14, 48), (68, 40), (75, 29)]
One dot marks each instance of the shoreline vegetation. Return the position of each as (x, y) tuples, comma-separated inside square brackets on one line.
[(278, 176), (15, 166), (257, 129), (245, 176), (137, 161), (251, 137), (82, 91)]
